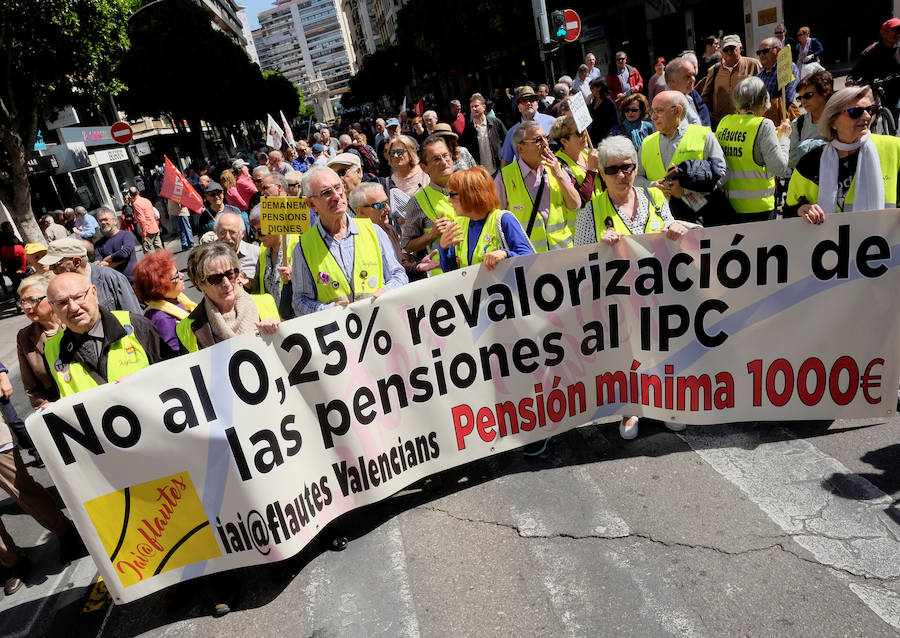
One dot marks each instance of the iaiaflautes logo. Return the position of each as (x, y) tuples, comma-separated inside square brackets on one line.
[(153, 527)]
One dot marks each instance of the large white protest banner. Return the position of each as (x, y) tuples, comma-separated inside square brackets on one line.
[(241, 453)]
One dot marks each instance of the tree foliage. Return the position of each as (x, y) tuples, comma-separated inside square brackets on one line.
[(55, 53), (281, 95)]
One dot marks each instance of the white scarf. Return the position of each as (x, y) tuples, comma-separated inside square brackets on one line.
[(869, 189)]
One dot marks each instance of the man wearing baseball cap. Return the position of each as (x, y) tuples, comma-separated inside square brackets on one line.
[(527, 103), (349, 169), (114, 291), (879, 62), (720, 80), (244, 185)]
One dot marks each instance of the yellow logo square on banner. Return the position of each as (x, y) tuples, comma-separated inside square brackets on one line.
[(153, 527)]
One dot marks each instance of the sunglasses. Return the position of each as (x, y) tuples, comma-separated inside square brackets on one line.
[(294, 184), (379, 206), (343, 171), (217, 278), (627, 169), (397, 152), (855, 112), (763, 51), (632, 110), (728, 49), (621, 59), (807, 96)]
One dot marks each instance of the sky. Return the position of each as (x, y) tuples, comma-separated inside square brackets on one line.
[(253, 9)]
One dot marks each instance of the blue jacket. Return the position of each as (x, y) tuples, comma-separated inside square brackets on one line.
[(702, 109), (815, 50)]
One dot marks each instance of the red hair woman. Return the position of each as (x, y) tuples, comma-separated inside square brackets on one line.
[(160, 285)]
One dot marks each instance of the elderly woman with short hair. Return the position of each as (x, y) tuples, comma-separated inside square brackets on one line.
[(635, 125), (159, 285), (625, 210), (755, 153), (226, 310), (855, 171), (40, 388)]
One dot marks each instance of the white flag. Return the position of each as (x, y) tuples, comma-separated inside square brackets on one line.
[(274, 134), (288, 133)]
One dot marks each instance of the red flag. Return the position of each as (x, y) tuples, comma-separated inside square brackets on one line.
[(176, 187), (420, 107)]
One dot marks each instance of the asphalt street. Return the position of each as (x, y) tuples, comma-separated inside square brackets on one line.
[(763, 529)]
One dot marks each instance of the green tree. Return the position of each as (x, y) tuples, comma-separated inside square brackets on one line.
[(179, 65), (281, 95), (55, 53)]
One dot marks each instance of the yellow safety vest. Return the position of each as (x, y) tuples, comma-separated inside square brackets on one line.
[(580, 174), (606, 210), (125, 356), (265, 306), (689, 148), (292, 241), (433, 204), (331, 283), (490, 239), (554, 234), (749, 188), (888, 148)]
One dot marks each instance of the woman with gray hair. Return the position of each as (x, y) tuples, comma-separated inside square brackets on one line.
[(855, 170), (624, 210), (755, 153), (226, 310)]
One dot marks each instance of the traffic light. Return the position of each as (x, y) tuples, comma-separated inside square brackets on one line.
[(558, 26)]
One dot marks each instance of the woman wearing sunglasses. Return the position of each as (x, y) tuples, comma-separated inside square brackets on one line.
[(226, 310), (624, 210), (813, 92), (406, 174), (854, 171), (159, 285), (635, 125)]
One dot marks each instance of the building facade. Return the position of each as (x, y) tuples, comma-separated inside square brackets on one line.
[(305, 39), (386, 19), (360, 18)]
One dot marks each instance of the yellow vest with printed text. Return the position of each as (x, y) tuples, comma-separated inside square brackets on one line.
[(125, 356), (749, 188)]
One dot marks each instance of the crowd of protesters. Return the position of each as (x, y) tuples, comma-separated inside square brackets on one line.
[(705, 140)]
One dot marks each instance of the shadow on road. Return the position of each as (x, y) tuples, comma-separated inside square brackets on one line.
[(854, 486)]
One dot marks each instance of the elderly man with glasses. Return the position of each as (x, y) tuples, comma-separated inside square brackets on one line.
[(114, 291), (527, 103), (685, 162), (340, 260), (97, 345), (624, 80), (539, 192), (722, 78), (768, 57)]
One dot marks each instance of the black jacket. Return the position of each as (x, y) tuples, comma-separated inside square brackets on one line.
[(496, 135)]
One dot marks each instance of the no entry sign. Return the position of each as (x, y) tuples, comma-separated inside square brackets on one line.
[(573, 26), (121, 132)]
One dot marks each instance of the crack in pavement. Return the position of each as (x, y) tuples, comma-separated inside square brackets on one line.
[(647, 537)]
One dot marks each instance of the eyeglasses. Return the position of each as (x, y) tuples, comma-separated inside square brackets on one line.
[(293, 184), (257, 230), (217, 278), (855, 112), (627, 169), (397, 152), (729, 49), (337, 189), (763, 51), (30, 302), (178, 275), (807, 96), (379, 206), (78, 299), (214, 193), (443, 157), (451, 194), (540, 139), (632, 110), (779, 33), (343, 171)]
